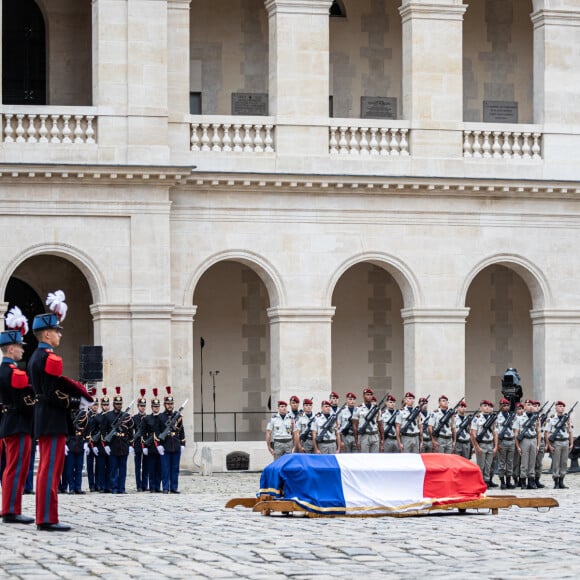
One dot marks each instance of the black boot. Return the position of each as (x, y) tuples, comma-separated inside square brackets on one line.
[(556, 482), (531, 484), (561, 482), (510, 485), (502, 481), (523, 483), (538, 484), (491, 483)]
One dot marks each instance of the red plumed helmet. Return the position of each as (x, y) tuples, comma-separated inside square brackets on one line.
[(168, 389), (118, 389), (143, 391)]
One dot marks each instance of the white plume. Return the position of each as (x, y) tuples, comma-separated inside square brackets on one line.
[(17, 321), (56, 302)]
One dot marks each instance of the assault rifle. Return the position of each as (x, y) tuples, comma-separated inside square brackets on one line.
[(115, 426), (464, 424), (507, 425), (544, 416), (412, 417), (561, 423), (306, 435), (445, 419), (390, 424), (328, 424), (171, 422), (348, 426), (486, 427), (371, 416), (529, 422)]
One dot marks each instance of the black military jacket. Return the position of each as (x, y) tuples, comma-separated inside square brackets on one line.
[(176, 437), (17, 404), (123, 432)]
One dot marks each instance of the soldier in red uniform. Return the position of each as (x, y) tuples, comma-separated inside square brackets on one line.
[(17, 403)]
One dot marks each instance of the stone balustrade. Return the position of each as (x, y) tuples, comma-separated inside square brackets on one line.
[(232, 134), (493, 141), (372, 138), (63, 125)]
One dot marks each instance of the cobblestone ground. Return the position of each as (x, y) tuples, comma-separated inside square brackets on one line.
[(192, 535)]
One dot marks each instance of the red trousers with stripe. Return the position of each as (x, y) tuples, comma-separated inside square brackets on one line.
[(18, 449), (51, 448)]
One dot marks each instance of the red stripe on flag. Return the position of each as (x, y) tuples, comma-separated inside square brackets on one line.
[(451, 479)]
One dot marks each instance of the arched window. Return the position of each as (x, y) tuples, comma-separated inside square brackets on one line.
[(337, 9), (23, 54)]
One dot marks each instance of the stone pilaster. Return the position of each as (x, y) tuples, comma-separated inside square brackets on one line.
[(300, 342), (435, 351), (433, 74)]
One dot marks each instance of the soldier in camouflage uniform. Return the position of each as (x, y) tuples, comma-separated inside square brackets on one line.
[(389, 419), (280, 436), (304, 431), (371, 441), (462, 435), (425, 418), (331, 438), (412, 440), (345, 422), (541, 447), (561, 444), (506, 444), (528, 446), (517, 457), (485, 449), (445, 442)]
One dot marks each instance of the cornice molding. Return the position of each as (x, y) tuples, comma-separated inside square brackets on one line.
[(555, 17), (434, 315), (555, 317), (301, 315), (316, 7), (131, 311)]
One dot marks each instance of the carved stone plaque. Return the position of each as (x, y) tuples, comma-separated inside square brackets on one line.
[(500, 112), (250, 104), (378, 108)]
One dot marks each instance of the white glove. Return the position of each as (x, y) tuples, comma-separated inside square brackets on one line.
[(182, 448), (84, 404), (65, 450), (145, 451), (37, 450), (160, 449), (131, 451), (107, 450), (87, 449), (96, 451)]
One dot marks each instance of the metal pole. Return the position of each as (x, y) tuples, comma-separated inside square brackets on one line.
[(201, 344), (213, 375)]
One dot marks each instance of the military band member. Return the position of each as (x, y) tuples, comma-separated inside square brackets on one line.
[(411, 440), (445, 442), (141, 466), (75, 456), (333, 398), (527, 448), (389, 426), (425, 419), (345, 422), (541, 447), (330, 443), (561, 446), (295, 411), (462, 432), (506, 444), (173, 444), (304, 431), (280, 432), (17, 405), (485, 449), (151, 430), (372, 440)]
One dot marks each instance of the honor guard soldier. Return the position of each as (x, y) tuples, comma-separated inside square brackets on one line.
[(425, 419), (304, 432), (368, 432), (295, 412), (151, 431), (75, 454), (333, 398), (517, 456), (528, 426), (330, 436), (389, 419), (541, 446), (56, 397), (117, 435), (101, 458), (506, 444), (173, 444), (484, 439), (141, 467), (280, 436), (462, 431), (442, 436), (408, 429), (345, 423), (17, 405), (91, 413), (559, 438)]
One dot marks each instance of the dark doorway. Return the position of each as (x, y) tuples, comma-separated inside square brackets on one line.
[(23, 54)]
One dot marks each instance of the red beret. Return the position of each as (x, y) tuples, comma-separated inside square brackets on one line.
[(486, 402), (561, 403), (504, 402), (282, 403), (529, 401), (445, 397), (374, 399), (463, 404), (294, 399), (368, 391), (391, 398), (325, 403), (423, 400), (409, 395), (519, 406), (307, 402), (334, 394), (350, 395)]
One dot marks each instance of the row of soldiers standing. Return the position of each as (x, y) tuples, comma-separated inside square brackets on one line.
[(108, 437), (514, 442)]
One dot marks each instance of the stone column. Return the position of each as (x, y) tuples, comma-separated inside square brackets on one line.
[(433, 75), (301, 350), (299, 76), (556, 337), (435, 351)]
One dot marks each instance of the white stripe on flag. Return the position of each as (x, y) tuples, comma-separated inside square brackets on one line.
[(375, 480)]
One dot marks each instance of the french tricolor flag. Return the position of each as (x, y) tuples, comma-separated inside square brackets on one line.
[(372, 484)]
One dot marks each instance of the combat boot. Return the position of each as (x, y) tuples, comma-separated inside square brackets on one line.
[(561, 482), (531, 484), (522, 483), (556, 482), (538, 484), (491, 482), (510, 485), (502, 481)]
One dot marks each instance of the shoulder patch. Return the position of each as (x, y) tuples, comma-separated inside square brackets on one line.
[(19, 379), (53, 365)]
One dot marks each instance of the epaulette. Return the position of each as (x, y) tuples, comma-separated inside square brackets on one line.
[(319, 414)]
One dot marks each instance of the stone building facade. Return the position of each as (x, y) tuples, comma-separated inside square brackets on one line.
[(330, 194)]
